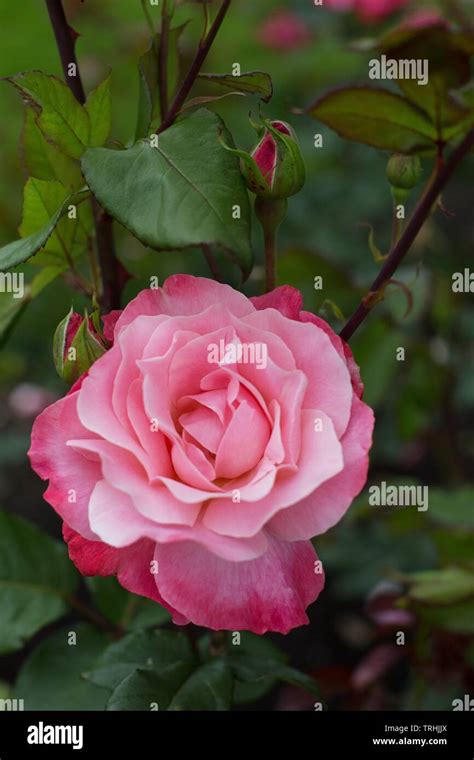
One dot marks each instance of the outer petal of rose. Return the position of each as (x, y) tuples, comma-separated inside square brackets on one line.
[(329, 387), (66, 469), (253, 333), (289, 301), (182, 295), (325, 507), (341, 347), (125, 473), (270, 593), (94, 403), (321, 459), (118, 524), (131, 565), (285, 299), (109, 321)]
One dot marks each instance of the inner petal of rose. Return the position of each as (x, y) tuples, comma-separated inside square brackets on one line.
[(214, 424)]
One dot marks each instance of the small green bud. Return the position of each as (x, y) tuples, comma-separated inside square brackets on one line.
[(275, 168), (404, 172), (77, 344)]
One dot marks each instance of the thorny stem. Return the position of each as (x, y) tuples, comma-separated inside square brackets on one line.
[(270, 239), (95, 617), (396, 225), (442, 175), (65, 41), (201, 55), (163, 59)]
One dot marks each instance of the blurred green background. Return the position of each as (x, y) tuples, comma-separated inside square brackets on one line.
[(424, 405)]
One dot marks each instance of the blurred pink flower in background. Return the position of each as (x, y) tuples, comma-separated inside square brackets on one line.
[(368, 10), (27, 400), (284, 30)]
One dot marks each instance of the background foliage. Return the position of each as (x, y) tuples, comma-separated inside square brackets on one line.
[(387, 569)]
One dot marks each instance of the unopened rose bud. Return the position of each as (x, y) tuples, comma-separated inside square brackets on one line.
[(275, 169), (404, 172), (77, 345)]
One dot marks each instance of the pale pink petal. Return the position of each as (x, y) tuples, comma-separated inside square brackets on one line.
[(183, 295), (329, 386), (151, 439), (71, 476), (321, 459), (244, 440), (124, 472), (204, 426), (325, 507), (130, 344), (187, 470), (156, 387), (341, 347), (115, 520)]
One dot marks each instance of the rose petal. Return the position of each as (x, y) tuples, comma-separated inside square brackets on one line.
[(267, 594), (131, 565), (182, 295), (321, 459), (325, 507), (71, 477)]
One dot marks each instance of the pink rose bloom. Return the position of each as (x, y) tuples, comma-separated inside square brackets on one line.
[(368, 10), (283, 30), (205, 449)]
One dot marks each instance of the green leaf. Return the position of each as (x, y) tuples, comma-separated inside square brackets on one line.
[(250, 83), (148, 614), (125, 609), (299, 267), (208, 688), (45, 277), (203, 100), (453, 508), (50, 678), (254, 669), (177, 195), (141, 690), (376, 117), (148, 77), (450, 584), (458, 618), (448, 54), (253, 647), (60, 117), (44, 160), (21, 250), (166, 653), (35, 580), (99, 110), (41, 200), (11, 310)]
